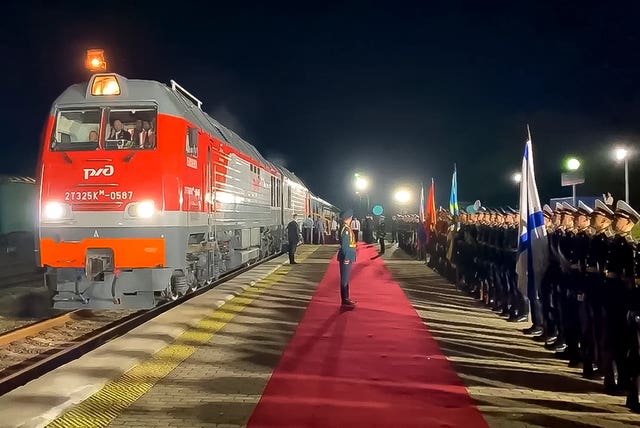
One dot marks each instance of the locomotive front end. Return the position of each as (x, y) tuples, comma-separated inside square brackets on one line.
[(102, 223)]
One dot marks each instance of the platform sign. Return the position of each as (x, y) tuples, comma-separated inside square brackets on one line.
[(377, 210), (572, 178)]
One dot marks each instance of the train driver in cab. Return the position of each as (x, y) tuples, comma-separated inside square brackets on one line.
[(118, 132)]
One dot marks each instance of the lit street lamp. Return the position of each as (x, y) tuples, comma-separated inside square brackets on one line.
[(573, 164), (402, 196), (362, 184), (516, 177), (622, 154)]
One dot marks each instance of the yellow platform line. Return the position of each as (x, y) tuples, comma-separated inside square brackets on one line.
[(105, 405)]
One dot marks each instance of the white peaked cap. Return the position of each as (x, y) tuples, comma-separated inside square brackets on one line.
[(584, 208), (625, 209), (603, 208)]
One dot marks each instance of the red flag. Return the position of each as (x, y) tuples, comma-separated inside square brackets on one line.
[(431, 207)]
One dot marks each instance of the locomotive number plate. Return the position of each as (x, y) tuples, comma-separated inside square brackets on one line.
[(99, 195)]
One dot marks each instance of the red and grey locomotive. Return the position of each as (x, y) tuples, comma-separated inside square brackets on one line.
[(144, 196)]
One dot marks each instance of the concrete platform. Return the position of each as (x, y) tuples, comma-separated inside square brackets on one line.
[(171, 360), (206, 363), (515, 382)]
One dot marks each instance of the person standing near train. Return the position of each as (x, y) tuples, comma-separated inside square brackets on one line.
[(346, 256), (293, 236)]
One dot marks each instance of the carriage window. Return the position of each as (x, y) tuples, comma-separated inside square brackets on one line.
[(132, 128), (273, 191), (279, 194), (76, 130)]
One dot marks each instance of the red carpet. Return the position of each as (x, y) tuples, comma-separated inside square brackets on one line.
[(374, 366)]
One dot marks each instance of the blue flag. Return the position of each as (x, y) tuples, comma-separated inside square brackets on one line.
[(453, 199), (533, 250)]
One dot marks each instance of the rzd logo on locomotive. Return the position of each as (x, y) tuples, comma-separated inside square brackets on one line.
[(106, 171)]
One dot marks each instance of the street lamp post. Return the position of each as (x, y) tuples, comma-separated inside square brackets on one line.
[(622, 154), (572, 165)]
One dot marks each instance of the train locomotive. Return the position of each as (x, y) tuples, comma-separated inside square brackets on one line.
[(144, 197)]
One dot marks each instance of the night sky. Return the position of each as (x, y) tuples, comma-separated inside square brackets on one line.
[(397, 90)]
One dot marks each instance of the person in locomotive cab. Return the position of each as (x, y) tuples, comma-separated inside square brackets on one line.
[(346, 256), (149, 141), (293, 234), (93, 136), (118, 132)]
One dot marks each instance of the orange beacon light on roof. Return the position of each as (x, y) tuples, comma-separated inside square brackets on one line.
[(94, 60)]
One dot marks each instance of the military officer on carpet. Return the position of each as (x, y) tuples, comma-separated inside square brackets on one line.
[(346, 256)]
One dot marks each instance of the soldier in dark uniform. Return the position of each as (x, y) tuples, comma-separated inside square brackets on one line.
[(564, 226), (595, 295), (346, 256), (381, 233), (483, 254), (519, 309), (620, 278), (569, 254), (633, 320), (550, 277), (471, 256), (586, 340)]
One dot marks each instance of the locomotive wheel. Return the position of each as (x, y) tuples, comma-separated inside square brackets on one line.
[(192, 282), (177, 287), (51, 282)]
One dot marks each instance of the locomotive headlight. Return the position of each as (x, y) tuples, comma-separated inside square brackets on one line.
[(145, 209), (54, 210)]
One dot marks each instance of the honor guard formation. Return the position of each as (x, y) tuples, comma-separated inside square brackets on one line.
[(586, 305)]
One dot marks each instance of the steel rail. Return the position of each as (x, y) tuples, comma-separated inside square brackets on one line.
[(102, 335), (34, 328)]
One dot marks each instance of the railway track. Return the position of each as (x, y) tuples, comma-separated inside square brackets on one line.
[(30, 351)]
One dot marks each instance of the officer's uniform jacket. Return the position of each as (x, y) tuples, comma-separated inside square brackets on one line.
[(347, 249)]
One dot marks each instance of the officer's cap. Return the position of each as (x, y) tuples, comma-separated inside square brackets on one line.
[(623, 209), (547, 211), (346, 214), (568, 208), (501, 211), (559, 207), (603, 209), (511, 210), (584, 209)]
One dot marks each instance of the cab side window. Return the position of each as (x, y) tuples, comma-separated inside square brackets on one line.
[(191, 143)]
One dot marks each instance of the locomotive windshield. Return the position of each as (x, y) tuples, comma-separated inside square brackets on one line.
[(76, 130), (123, 129)]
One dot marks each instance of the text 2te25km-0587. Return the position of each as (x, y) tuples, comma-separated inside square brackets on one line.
[(98, 195)]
